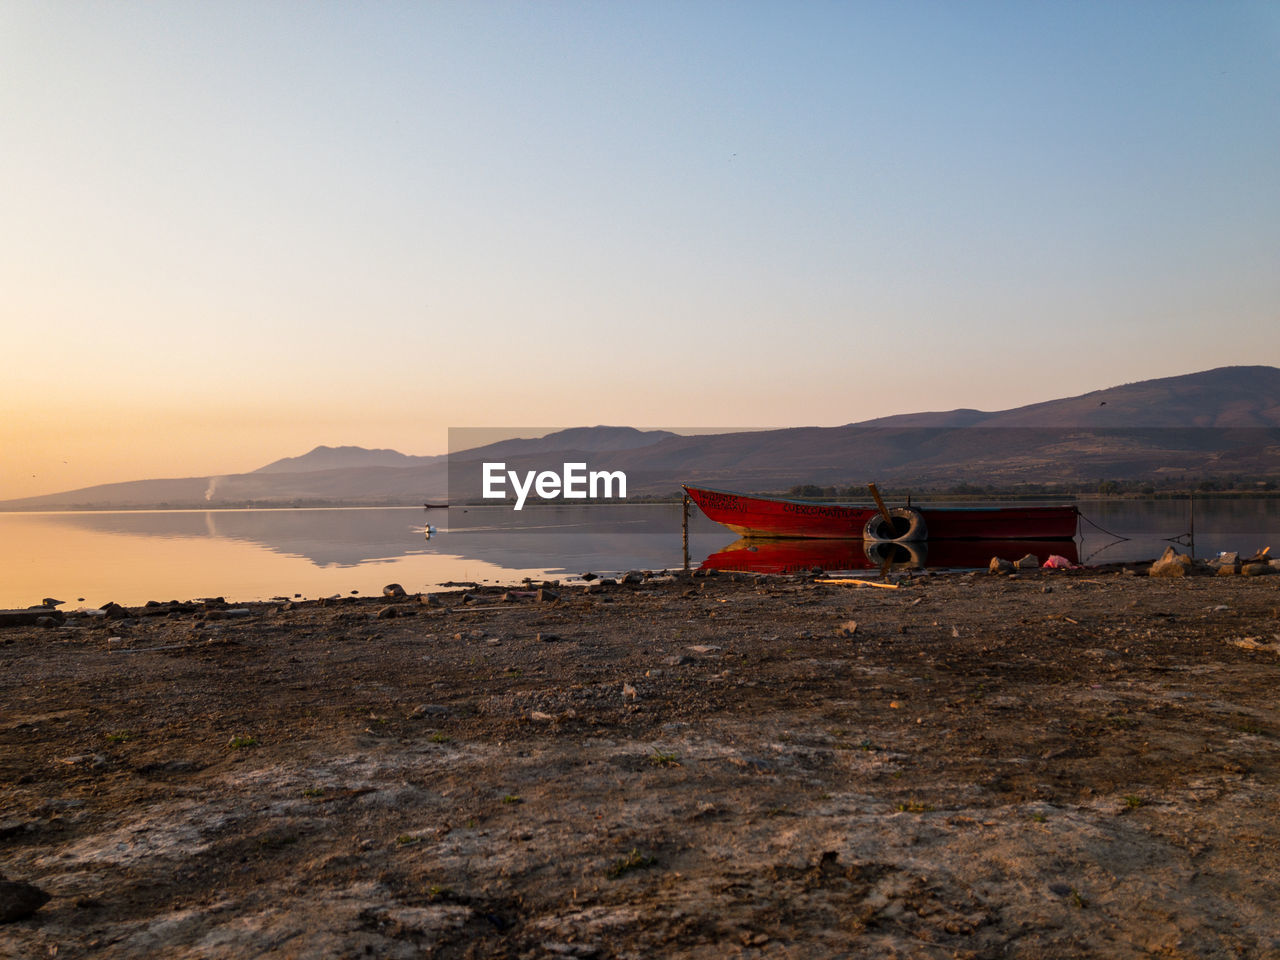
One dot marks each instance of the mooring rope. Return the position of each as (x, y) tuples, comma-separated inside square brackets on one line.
[(1109, 533)]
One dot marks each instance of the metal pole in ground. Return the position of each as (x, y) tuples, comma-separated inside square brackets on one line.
[(684, 527)]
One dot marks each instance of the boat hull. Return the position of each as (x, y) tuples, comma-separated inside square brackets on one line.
[(774, 517)]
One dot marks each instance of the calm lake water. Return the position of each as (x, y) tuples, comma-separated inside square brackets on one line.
[(87, 559)]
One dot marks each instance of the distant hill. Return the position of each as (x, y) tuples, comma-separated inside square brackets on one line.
[(578, 440), (1221, 398), (1222, 422), (368, 486), (1219, 423), (333, 475), (344, 458)]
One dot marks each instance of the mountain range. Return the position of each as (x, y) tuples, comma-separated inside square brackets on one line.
[(1217, 423)]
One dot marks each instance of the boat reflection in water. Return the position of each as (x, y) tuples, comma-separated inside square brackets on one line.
[(802, 555)]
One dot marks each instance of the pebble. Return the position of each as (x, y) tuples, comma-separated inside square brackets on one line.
[(430, 710), (847, 629), (231, 614), (393, 590)]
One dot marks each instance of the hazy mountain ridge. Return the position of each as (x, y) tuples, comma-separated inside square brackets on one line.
[(344, 458), (577, 440), (1216, 422), (1243, 396)]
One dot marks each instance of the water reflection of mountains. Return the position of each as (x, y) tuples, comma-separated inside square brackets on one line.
[(325, 537), (649, 539), (646, 537)]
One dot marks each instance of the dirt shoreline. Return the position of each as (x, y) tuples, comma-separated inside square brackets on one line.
[(1076, 763)]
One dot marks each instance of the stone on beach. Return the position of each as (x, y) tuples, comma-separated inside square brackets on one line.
[(31, 616), (1171, 564)]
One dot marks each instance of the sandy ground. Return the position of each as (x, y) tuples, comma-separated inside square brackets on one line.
[(1067, 764)]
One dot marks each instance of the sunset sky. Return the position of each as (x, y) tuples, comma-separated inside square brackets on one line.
[(234, 231)]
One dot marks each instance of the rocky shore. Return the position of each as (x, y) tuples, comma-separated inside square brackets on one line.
[(1030, 764)]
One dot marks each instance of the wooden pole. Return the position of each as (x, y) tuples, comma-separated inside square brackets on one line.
[(884, 511), (854, 582), (1192, 532), (684, 526)]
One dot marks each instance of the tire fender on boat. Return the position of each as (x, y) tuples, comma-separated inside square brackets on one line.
[(877, 530)]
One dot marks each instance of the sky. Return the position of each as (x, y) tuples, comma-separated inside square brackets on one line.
[(233, 231)]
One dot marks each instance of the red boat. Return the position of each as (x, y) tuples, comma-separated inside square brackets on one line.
[(751, 516)]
